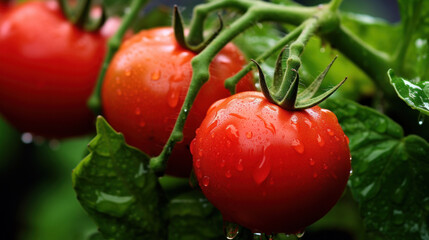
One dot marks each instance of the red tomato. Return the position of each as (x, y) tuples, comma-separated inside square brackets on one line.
[(48, 69), (269, 169), (146, 84)]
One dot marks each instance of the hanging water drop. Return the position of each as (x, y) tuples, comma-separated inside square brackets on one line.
[(137, 111), (421, 119), (249, 135), (206, 181), (312, 162), (230, 230), (330, 132), (27, 138), (300, 234), (173, 97), (232, 132), (198, 163), (262, 171), (228, 174), (320, 140)]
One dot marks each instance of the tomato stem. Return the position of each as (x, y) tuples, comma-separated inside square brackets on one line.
[(81, 15), (94, 101)]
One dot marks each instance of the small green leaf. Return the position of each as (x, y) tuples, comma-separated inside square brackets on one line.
[(193, 217), (390, 179), (117, 189), (416, 95)]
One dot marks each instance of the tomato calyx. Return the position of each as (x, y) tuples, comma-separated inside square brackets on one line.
[(81, 17), (292, 100), (179, 33)]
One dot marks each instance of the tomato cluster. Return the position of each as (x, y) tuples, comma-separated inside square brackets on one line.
[(146, 84), (269, 169), (48, 69)]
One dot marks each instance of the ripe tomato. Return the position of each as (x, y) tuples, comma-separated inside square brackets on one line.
[(146, 84), (48, 68), (269, 169)]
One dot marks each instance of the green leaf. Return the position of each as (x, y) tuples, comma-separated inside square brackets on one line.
[(193, 217), (118, 190), (115, 7), (416, 95), (390, 178)]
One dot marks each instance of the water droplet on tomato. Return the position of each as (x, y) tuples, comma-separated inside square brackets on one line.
[(298, 146), (336, 138), (156, 75), (421, 118), (206, 181), (351, 172), (173, 97), (200, 152), (330, 132), (312, 162), (263, 170), (249, 135), (294, 120), (142, 123), (347, 139), (230, 230), (128, 72), (212, 126), (240, 166), (222, 163), (192, 147), (237, 115), (198, 163), (325, 166), (231, 132), (320, 140), (223, 59), (137, 111), (267, 125), (308, 122), (228, 173)]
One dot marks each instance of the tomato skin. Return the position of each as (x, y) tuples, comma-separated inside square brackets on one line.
[(48, 68), (145, 87), (269, 169)]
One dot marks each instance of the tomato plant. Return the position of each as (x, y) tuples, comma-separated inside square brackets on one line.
[(151, 72), (47, 78), (287, 183)]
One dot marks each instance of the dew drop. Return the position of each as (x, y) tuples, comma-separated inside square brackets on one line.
[(312, 162), (228, 173), (137, 111), (325, 167), (298, 146), (421, 119), (240, 166), (347, 139), (294, 120), (27, 138), (222, 163), (206, 181), (249, 135), (232, 132), (336, 138), (156, 75), (173, 97), (300, 234), (351, 172), (320, 140), (237, 115), (267, 125), (230, 230), (128, 72), (330, 132), (198, 163), (262, 171), (200, 152), (308, 122)]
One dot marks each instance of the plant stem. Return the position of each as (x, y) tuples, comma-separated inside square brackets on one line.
[(334, 5), (94, 101), (375, 63), (294, 61), (232, 81)]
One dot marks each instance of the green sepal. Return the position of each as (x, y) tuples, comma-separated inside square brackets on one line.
[(289, 101), (263, 83), (308, 103), (314, 86), (80, 16), (280, 62), (179, 33)]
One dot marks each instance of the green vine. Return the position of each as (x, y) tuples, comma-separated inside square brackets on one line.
[(94, 101)]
